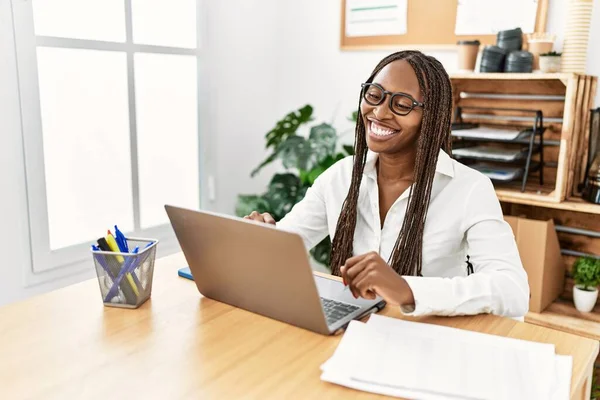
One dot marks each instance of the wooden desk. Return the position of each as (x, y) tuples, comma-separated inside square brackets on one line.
[(67, 345)]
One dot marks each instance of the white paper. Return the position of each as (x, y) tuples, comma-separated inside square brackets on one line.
[(483, 132), (376, 17), (488, 17), (490, 153), (414, 360), (500, 173), (564, 370)]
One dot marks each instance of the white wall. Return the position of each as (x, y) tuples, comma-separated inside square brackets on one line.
[(593, 60), (243, 58), (14, 238)]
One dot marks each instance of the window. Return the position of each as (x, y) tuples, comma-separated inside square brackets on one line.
[(109, 99)]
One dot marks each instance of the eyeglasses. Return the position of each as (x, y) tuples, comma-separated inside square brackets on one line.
[(400, 103)]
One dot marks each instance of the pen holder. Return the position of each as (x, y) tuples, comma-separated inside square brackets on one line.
[(125, 279)]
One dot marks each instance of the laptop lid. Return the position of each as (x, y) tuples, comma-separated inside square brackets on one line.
[(250, 265)]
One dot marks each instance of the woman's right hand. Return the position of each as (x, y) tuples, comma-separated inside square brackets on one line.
[(265, 218)]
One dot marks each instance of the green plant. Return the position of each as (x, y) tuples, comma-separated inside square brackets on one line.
[(551, 54), (586, 273), (595, 392), (304, 159)]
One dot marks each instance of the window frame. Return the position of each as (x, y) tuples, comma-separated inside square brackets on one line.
[(46, 263)]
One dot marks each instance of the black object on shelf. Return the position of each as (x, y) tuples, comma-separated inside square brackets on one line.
[(510, 40), (513, 137), (519, 61), (591, 183), (492, 59)]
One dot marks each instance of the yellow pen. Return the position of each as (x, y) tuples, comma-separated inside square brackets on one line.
[(112, 243)]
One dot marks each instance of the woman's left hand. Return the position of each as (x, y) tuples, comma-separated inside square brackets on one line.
[(369, 275)]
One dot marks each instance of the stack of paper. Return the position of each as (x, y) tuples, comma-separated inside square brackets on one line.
[(499, 173), (489, 133), (491, 153), (422, 361)]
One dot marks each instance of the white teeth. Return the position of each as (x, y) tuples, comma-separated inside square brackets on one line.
[(381, 131)]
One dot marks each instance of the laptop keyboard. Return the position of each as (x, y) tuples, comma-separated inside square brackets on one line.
[(336, 310)]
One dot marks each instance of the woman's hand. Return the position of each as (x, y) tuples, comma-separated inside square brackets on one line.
[(264, 217), (369, 275)]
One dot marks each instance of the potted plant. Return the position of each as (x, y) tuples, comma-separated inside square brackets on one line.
[(304, 158), (550, 62), (586, 273)]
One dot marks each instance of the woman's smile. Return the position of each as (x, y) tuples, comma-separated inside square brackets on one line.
[(379, 131)]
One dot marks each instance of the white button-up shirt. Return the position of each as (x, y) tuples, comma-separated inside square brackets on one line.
[(464, 218)]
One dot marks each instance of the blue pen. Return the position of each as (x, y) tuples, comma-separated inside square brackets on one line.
[(121, 241)]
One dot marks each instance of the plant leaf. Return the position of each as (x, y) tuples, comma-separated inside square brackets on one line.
[(288, 126), (349, 149), (314, 174), (295, 152), (321, 252), (322, 140), (285, 190), (248, 203), (586, 272)]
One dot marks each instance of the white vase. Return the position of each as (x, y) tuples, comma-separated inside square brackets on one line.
[(585, 300), (550, 63)]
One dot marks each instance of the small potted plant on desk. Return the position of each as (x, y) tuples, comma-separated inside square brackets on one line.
[(586, 273), (550, 62)]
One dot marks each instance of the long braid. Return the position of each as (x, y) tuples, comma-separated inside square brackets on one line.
[(406, 256)]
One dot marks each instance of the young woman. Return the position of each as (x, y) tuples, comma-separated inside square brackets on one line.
[(408, 222)]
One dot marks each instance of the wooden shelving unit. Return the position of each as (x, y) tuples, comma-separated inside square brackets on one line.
[(569, 205), (562, 315), (508, 99), (564, 77)]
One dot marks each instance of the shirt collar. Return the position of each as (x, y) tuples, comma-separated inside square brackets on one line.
[(444, 165)]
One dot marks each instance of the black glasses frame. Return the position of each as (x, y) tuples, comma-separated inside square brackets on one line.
[(414, 102)]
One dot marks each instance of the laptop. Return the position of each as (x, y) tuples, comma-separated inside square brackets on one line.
[(265, 270)]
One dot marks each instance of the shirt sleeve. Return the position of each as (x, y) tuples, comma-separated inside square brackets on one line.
[(498, 284), (308, 217)]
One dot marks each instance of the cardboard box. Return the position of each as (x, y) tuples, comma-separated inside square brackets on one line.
[(540, 253)]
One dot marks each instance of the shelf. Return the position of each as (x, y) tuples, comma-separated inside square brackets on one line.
[(495, 134), (563, 316), (534, 200), (515, 76)]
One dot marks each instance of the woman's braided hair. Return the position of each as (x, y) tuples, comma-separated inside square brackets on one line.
[(406, 257)]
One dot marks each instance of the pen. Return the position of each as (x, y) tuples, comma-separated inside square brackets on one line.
[(123, 273), (110, 239), (127, 271), (112, 244), (121, 240), (103, 245), (115, 267), (378, 307)]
